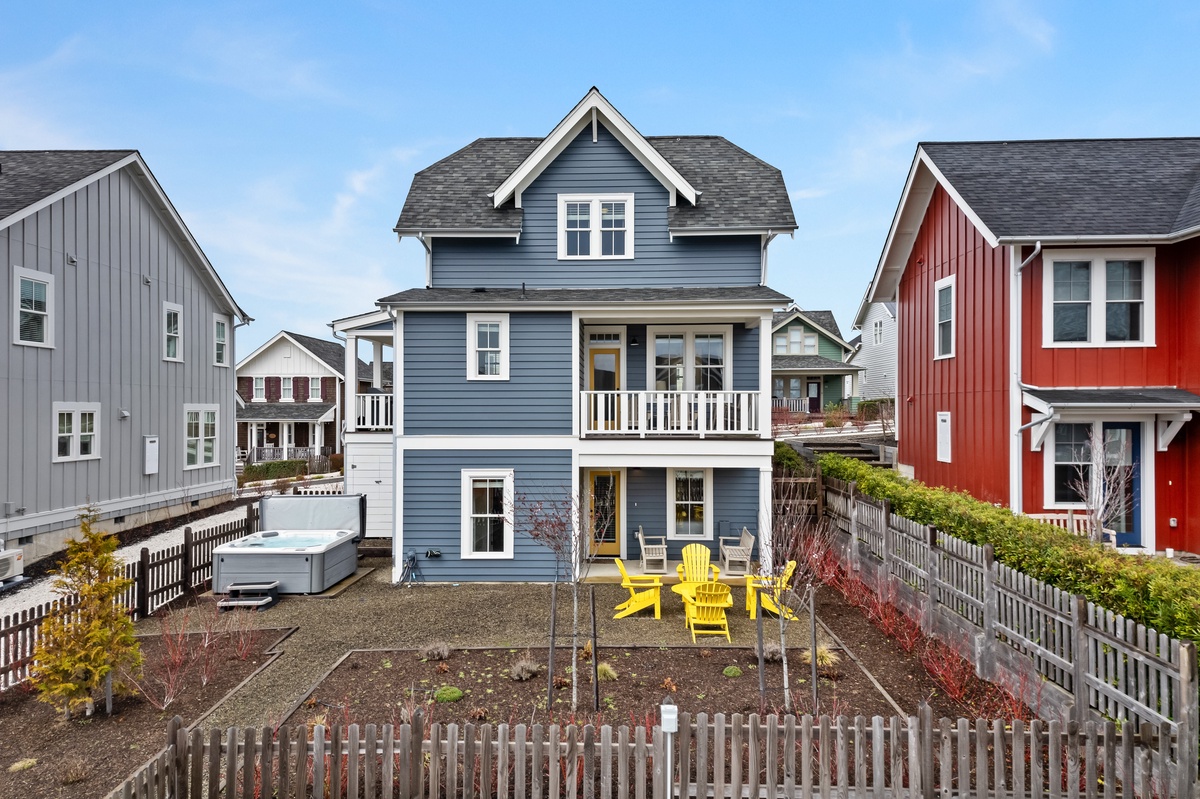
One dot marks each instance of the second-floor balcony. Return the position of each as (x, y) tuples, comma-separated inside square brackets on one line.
[(693, 414), (373, 412)]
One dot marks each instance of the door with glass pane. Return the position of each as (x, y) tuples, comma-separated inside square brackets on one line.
[(604, 512), (814, 396), (1122, 459), (604, 375)]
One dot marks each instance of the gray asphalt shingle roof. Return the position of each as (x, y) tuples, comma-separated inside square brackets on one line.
[(738, 189), (491, 296), (1059, 397), (331, 353), (1078, 187), (798, 363), (283, 411), (825, 319), (27, 176)]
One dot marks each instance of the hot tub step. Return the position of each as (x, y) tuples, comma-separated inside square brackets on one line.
[(251, 595)]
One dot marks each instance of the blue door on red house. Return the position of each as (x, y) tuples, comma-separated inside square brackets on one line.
[(1123, 447)]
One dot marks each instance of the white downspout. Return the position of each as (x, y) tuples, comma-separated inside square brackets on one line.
[(1015, 454)]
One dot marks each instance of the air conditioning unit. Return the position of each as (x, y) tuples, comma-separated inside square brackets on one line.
[(12, 565)]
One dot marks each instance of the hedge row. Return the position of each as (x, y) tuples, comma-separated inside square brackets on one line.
[(1153, 591), (273, 470)]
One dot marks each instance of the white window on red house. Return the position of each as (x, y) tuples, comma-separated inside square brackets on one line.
[(943, 331)]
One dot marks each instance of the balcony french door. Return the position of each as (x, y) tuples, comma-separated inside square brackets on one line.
[(604, 375)]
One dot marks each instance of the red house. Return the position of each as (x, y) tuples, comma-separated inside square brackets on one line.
[(1046, 290)]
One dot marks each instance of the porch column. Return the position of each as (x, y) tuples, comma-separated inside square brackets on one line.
[(350, 384), (318, 436), (287, 432), (764, 376), (376, 364), (853, 387), (766, 512)]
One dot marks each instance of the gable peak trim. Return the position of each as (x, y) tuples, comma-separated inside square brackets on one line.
[(593, 109)]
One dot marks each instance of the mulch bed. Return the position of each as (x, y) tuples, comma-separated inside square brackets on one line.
[(385, 686), (89, 757)]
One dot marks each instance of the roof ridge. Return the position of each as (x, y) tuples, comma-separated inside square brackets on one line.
[(1063, 140)]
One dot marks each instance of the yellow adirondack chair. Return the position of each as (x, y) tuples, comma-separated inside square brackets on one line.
[(643, 593), (772, 588), (706, 610), (696, 570)]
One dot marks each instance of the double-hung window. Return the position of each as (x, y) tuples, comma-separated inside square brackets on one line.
[(690, 360), (260, 389), (943, 324), (487, 514), (314, 389), (1072, 462), (487, 346), (33, 314), (595, 226), (76, 431), (220, 341), (285, 389), (689, 502), (795, 341), (1098, 298), (172, 316), (200, 435), (878, 331)]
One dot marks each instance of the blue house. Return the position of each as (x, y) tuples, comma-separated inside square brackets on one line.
[(595, 327)]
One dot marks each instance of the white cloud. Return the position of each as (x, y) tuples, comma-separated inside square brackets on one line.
[(807, 193)]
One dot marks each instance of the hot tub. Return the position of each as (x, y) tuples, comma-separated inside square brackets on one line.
[(303, 561)]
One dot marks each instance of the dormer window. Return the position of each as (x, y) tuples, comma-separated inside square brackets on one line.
[(595, 227)]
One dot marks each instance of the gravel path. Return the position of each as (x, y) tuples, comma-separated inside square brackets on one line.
[(41, 590), (375, 614)]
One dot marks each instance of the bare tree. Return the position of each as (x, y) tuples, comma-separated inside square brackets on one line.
[(1101, 480), (887, 416), (564, 524), (800, 534)]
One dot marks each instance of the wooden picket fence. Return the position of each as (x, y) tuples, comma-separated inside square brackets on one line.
[(159, 577), (1065, 657), (736, 756)]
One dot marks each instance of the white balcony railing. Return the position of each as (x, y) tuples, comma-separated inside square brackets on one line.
[(670, 413), (373, 412)]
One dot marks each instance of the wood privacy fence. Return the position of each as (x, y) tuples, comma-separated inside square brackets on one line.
[(159, 577), (736, 756), (1064, 656)]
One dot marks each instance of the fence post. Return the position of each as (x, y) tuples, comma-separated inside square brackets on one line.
[(985, 641), (251, 519), (1079, 658), (1188, 732), (855, 563), (933, 574), (888, 586), (142, 584), (185, 568)]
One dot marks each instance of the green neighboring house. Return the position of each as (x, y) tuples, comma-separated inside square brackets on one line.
[(808, 363)]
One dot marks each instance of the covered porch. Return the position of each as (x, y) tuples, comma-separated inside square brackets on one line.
[(369, 399), (809, 383), (283, 431)]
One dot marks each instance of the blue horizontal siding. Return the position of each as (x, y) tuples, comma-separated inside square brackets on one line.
[(587, 167), (433, 511), (734, 506), (439, 400)]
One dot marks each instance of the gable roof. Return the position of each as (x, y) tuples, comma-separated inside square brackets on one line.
[(330, 353), (31, 180), (823, 321), (461, 297), (593, 109), (1077, 191), (736, 190)]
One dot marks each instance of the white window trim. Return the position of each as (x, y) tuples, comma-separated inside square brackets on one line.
[(75, 408), (220, 318), (878, 331), (314, 396), (949, 437), (689, 352), (816, 344), (291, 386), (937, 287), (1099, 298), (41, 277), (473, 346), (595, 200), (466, 541), (708, 503), (254, 389), (200, 450), (166, 308)]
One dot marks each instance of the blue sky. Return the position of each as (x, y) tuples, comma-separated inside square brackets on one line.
[(287, 133)]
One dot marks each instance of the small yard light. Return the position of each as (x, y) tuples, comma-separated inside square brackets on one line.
[(668, 713)]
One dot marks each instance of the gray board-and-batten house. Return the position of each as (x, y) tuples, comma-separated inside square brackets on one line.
[(117, 379), (594, 326)]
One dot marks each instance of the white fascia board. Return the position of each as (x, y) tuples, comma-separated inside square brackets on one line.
[(845, 344), (263, 348), (599, 313), (571, 125), (728, 231), (422, 234), (313, 355), (368, 319), (164, 205), (969, 212), (1101, 241)]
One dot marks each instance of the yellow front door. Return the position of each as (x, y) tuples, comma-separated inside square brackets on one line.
[(604, 512), (604, 375)]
